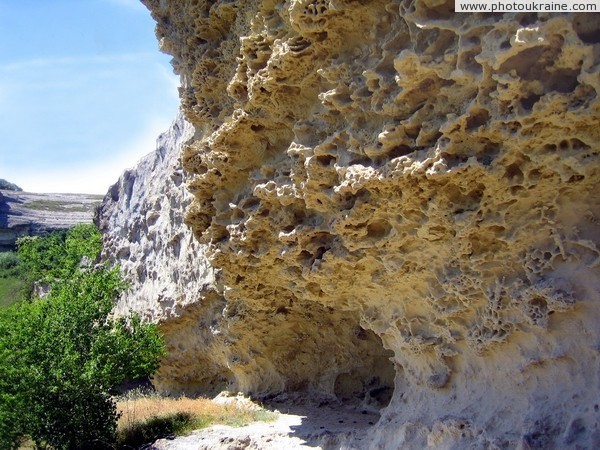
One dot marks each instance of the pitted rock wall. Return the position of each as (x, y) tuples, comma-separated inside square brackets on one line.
[(142, 220), (392, 180)]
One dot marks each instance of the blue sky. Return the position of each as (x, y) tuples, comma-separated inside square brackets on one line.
[(84, 92)]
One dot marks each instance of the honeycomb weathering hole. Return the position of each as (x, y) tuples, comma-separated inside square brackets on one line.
[(378, 229)]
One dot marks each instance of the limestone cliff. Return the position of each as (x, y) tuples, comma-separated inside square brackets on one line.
[(399, 202), (142, 222), (145, 199), (33, 214)]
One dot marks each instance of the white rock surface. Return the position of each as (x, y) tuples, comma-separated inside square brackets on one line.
[(142, 221), (298, 427)]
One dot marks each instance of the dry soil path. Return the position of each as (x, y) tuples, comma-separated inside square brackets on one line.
[(300, 427)]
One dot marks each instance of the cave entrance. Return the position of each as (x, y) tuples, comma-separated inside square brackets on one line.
[(369, 383), (295, 351), (318, 350)]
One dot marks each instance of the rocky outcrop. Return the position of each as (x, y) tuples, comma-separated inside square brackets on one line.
[(401, 205), (145, 199), (170, 280), (8, 186), (31, 214)]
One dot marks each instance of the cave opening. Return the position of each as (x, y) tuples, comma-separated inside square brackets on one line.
[(369, 383), (292, 352), (322, 352)]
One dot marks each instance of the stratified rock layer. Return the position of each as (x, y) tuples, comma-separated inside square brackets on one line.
[(389, 188), (34, 214)]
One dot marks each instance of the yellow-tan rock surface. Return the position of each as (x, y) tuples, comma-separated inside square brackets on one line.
[(399, 202)]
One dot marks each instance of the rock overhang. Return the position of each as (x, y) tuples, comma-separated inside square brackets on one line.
[(397, 171)]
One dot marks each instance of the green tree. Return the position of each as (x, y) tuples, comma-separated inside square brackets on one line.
[(42, 257), (59, 254), (61, 357)]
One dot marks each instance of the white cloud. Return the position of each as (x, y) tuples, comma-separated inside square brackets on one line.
[(77, 126), (72, 121), (130, 4), (41, 63)]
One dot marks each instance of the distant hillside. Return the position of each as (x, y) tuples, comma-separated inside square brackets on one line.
[(29, 214), (8, 186)]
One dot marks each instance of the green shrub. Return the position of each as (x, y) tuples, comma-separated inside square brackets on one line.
[(11, 278), (60, 253), (8, 261), (61, 357)]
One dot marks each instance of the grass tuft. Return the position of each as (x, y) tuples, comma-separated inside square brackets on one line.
[(140, 433), (149, 417)]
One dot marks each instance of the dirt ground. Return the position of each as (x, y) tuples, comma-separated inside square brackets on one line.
[(298, 427)]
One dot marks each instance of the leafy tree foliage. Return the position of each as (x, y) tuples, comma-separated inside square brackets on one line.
[(9, 264), (62, 356), (58, 255)]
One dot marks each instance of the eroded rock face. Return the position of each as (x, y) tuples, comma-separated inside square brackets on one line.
[(391, 180), (142, 224)]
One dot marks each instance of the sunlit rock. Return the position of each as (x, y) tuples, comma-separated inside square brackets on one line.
[(400, 207)]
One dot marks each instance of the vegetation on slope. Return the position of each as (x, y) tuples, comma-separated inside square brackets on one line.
[(63, 356), (12, 277), (57, 206), (8, 186)]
